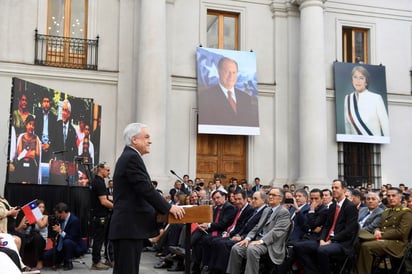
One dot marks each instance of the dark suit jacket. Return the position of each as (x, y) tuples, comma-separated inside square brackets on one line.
[(214, 109), (346, 224), (70, 147), (243, 218), (38, 121), (226, 217), (73, 232), (314, 220), (299, 222), (135, 199), (251, 223)]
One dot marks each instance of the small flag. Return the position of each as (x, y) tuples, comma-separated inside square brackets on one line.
[(32, 212)]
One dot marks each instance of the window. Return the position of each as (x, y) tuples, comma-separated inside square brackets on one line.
[(222, 30), (355, 45), (67, 33), (358, 163)]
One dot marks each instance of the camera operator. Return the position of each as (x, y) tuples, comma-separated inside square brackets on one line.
[(100, 207)]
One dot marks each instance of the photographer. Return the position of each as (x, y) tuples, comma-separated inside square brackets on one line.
[(35, 234), (100, 206)]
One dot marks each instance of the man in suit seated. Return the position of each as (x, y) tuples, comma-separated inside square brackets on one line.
[(69, 242), (370, 216), (243, 212), (220, 247), (223, 216), (267, 237), (391, 236), (336, 235)]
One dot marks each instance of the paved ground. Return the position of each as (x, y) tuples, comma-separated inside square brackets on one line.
[(146, 266)]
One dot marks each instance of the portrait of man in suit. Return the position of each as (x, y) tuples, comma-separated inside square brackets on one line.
[(228, 99)]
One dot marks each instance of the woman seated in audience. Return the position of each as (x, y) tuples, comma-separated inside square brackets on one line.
[(35, 234)]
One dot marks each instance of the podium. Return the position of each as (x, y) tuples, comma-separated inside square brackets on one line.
[(193, 214)]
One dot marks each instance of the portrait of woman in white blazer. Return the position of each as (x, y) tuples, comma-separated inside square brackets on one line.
[(365, 112)]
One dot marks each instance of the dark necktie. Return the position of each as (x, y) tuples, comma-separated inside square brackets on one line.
[(231, 101), (234, 221), (363, 220), (64, 134), (60, 243), (214, 233), (335, 218)]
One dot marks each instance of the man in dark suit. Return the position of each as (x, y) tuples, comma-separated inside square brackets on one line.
[(136, 202), (64, 149), (65, 135), (336, 235), (267, 237), (223, 104), (221, 247), (223, 216), (243, 212), (69, 241), (45, 122)]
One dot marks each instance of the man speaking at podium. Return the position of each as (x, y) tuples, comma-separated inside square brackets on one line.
[(136, 202)]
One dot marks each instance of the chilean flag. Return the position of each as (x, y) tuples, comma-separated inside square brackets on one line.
[(32, 212)]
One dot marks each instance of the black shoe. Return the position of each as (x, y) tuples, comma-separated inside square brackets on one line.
[(176, 267), (164, 264), (68, 266), (177, 250)]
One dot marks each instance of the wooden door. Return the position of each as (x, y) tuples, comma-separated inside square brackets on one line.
[(221, 155)]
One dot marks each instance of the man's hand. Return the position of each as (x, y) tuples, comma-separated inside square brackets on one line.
[(177, 211), (322, 242), (244, 242)]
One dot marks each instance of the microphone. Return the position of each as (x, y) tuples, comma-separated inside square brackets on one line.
[(59, 151), (174, 173)]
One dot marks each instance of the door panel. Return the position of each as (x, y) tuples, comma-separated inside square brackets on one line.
[(221, 154)]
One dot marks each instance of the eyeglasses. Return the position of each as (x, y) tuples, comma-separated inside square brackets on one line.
[(274, 195)]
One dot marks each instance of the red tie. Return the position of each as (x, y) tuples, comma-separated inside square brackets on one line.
[(335, 218), (231, 101), (214, 233), (234, 221)]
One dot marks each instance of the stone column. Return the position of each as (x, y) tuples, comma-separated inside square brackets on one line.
[(152, 79), (312, 97)]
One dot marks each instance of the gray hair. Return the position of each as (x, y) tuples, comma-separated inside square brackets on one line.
[(69, 106), (132, 130), (376, 195)]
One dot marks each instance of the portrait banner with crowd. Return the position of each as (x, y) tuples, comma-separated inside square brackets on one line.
[(54, 138), (361, 103), (227, 92)]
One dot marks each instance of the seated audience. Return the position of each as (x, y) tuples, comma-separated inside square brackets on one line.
[(336, 235), (267, 237), (392, 235), (220, 247), (223, 216), (35, 235)]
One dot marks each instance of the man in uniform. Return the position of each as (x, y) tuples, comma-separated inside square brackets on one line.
[(391, 237)]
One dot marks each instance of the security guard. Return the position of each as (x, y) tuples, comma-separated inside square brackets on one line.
[(100, 207), (391, 237)]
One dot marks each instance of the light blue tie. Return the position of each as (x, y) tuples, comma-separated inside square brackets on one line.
[(60, 243)]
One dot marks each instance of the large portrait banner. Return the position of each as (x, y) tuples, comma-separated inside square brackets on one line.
[(54, 138), (227, 92), (361, 103)]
